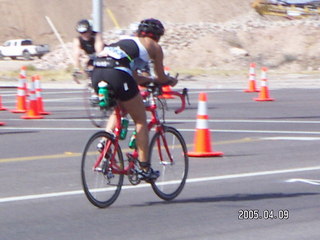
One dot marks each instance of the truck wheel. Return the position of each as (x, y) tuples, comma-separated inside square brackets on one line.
[(26, 55), (13, 58)]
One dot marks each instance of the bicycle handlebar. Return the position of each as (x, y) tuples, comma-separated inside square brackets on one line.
[(182, 98), (157, 90)]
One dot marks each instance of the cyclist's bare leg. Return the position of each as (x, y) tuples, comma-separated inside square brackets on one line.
[(136, 110), (111, 123)]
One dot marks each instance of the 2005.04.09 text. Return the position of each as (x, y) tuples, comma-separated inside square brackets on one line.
[(255, 214)]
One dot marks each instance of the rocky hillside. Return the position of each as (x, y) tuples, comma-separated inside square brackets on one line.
[(26, 18), (211, 34)]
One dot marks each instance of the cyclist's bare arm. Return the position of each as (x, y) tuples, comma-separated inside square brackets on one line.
[(159, 69), (142, 78), (98, 44), (76, 53), (156, 55), (76, 50)]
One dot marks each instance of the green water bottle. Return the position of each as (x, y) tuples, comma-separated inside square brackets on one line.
[(103, 94), (124, 128), (132, 143)]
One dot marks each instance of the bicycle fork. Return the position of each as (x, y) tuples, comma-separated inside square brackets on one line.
[(163, 139), (104, 155), (106, 161)]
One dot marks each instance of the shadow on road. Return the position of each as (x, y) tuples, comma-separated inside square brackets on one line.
[(233, 198)]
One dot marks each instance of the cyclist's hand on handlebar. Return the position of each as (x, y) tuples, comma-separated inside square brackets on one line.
[(77, 73), (172, 81)]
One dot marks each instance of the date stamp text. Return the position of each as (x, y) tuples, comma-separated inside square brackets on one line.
[(267, 214)]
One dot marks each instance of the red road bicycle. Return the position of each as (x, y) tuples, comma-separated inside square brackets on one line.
[(103, 166)]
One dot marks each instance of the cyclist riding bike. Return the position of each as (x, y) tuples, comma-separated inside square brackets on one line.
[(88, 42), (118, 65)]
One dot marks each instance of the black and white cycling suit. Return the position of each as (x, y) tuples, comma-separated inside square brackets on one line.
[(121, 58)]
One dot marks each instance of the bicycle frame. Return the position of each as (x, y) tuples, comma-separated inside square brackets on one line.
[(149, 96), (155, 121)]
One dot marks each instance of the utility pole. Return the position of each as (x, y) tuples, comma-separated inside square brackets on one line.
[(97, 15)]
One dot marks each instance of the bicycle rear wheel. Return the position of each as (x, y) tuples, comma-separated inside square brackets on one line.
[(171, 160), (100, 183), (91, 103)]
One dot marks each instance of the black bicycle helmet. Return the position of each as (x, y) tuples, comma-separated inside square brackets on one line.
[(151, 27), (83, 26)]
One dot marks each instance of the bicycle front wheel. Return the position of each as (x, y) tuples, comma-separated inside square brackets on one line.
[(100, 176), (168, 154)]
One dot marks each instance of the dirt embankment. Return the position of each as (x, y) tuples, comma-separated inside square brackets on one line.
[(210, 34), (26, 18)]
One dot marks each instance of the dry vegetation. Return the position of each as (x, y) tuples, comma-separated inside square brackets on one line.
[(206, 36)]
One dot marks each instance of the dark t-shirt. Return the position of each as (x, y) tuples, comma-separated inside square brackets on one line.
[(88, 45)]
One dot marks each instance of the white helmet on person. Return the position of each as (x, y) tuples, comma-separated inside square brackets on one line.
[(83, 26)]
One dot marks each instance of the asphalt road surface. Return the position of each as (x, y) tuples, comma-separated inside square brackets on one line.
[(266, 185)]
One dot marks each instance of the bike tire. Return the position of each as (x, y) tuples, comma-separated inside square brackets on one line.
[(173, 175), (101, 186), (96, 115)]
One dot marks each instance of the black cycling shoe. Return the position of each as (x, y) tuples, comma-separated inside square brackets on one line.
[(148, 176)]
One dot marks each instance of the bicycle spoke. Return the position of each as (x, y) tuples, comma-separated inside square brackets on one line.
[(168, 154), (101, 185)]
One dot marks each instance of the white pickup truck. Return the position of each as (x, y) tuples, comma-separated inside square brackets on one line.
[(22, 48)]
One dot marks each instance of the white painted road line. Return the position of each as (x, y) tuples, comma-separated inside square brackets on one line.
[(194, 120), (180, 129), (292, 138), (192, 180), (304, 180), (265, 131)]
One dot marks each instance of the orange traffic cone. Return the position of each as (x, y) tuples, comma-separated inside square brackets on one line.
[(1, 107), (166, 89), (202, 140), (264, 92), (21, 106), (252, 79), (33, 112), (166, 92), (39, 97)]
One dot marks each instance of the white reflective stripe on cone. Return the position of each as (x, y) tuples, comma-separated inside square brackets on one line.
[(202, 108), (202, 124)]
